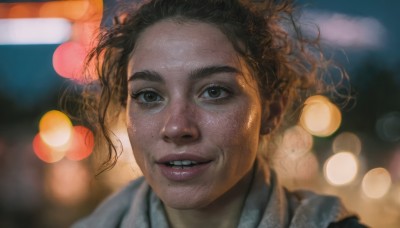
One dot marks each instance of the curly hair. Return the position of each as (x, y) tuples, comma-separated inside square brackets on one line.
[(286, 65)]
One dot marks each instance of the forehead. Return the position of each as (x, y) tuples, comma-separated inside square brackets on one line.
[(171, 44)]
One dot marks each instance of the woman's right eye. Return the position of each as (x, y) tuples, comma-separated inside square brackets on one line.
[(147, 97)]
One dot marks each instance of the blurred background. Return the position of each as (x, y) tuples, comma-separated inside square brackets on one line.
[(47, 162)]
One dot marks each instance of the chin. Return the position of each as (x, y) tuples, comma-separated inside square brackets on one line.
[(185, 200)]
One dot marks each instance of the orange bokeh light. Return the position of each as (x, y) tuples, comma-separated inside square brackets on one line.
[(68, 60), (320, 117), (85, 33), (4, 11), (81, 145), (45, 152), (76, 10), (21, 11), (55, 128), (72, 10)]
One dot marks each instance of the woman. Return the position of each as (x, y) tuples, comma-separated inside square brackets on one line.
[(203, 85)]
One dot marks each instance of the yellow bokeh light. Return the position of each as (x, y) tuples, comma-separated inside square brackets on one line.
[(347, 141), (341, 168), (376, 183), (55, 128), (320, 117)]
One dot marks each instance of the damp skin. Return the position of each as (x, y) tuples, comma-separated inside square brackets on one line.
[(190, 96)]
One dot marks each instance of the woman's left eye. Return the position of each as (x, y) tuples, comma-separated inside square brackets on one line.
[(215, 92)]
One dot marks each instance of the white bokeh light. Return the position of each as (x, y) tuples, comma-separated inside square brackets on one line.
[(341, 168), (34, 31)]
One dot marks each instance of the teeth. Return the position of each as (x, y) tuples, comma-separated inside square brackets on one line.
[(175, 162), (184, 162)]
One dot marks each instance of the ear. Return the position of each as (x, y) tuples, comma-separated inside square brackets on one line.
[(272, 115)]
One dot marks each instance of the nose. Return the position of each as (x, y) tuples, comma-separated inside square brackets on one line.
[(180, 126)]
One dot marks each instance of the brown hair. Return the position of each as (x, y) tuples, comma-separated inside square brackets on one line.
[(285, 64)]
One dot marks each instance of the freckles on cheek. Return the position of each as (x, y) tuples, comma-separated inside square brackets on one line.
[(144, 129), (239, 126)]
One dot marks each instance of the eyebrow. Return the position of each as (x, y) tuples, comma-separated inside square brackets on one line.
[(205, 72), (146, 75), (195, 75)]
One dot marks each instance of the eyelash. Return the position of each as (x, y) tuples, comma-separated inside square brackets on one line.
[(139, 97), (220, 89), (226, 94)]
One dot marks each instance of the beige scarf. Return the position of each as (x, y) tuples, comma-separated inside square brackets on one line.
[(267, 205)]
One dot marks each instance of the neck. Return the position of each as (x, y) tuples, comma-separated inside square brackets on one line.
[(224, 212)]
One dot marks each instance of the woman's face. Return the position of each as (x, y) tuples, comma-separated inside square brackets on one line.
[(193, 113)]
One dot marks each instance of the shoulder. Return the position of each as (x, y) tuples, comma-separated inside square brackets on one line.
[(110, 212), (320, 211)]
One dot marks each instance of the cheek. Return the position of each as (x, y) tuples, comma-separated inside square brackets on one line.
[(238, 126), (141, 128), (141, 133)]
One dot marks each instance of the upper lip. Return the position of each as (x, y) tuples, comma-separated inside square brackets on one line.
[(182, 157)]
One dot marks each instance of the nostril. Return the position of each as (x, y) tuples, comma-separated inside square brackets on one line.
[(187, 136)]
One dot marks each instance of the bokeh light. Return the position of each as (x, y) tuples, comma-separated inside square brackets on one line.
[(296, 141), (348, 31), (21, 11), (55, 128), (341, 168), (68, 60), (95, 11), (376, 183), (3, 12), (300, 168), (34, 31), (347, 141), (72, 10), (75, 10), (81, 144), (388, 127), (45, 152), (320, 117), (67, 182), (396, 193), (294, 159), (85, 33)]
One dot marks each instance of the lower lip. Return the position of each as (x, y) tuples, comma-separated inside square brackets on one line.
[(185, 174)]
